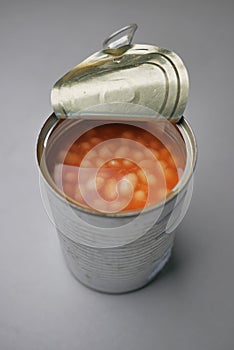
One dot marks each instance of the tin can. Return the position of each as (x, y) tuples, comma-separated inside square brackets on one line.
[(116, 252)]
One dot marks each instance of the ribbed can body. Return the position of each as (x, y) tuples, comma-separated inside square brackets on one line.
[(95, 253), (118, 270)]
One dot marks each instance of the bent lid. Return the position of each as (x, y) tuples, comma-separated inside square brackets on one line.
[(124, 80)]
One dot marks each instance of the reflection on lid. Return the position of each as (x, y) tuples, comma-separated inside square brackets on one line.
[(121, 80)]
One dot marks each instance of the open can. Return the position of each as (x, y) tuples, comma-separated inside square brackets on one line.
[(125, 86)]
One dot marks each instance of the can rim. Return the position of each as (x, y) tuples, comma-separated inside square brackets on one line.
[(191, 148)]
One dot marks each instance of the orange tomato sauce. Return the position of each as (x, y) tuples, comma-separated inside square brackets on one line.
[(115, 167)]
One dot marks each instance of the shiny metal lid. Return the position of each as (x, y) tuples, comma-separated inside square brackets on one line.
[(124, 80)]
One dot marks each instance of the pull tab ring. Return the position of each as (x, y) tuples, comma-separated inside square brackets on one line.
[(120, 38)]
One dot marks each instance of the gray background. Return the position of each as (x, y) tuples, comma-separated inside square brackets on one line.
[(190, 306)]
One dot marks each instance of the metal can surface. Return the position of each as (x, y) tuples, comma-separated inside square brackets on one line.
[(98, 252)]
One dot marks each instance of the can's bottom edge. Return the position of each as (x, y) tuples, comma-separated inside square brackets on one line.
[(155, 274)]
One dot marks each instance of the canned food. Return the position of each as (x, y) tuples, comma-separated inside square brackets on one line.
[(116, 174), (116, 167)]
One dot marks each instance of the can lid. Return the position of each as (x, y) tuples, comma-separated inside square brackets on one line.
[(124, 80)]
